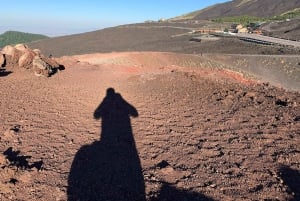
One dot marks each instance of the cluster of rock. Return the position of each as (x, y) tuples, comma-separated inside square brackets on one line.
[(23, 57)]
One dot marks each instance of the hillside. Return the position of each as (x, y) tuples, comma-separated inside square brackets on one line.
[(259, 8), (284, 29), (162, 37), (15, 37)]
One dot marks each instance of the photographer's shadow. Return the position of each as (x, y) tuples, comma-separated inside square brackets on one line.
[(109, 169)]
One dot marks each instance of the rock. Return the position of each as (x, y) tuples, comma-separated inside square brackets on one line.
[(2, 160), (251, 95), (39, 63), (8, 50), (2, 60), (37, 51), (21, 47), (13, 181), (51, 62), (162, 164), (12, 55), (15, 128), (23, 57), (210, 153), (167, 170), (171, 175), (40, 67), (256, 188), (281, 102), (202, 184), (25, 61)]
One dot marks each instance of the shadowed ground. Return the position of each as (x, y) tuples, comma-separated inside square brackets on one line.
[(109, 169)]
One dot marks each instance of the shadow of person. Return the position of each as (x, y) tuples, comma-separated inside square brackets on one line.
[(109, 169), (291, 178)]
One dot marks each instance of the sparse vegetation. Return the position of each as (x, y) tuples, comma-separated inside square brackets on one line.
[(253, 23), (15, 37), (244, 20), (288, 15)]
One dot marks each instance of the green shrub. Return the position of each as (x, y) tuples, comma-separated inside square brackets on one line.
[(244, 19)]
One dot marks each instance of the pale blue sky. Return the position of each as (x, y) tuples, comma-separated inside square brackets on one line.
[(62, 17)]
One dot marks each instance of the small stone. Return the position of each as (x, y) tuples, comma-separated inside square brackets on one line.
[(2, 160), (167, 170), (281, 102), (162, 164), (256, 188), (297, 118), (202, 185), (13, 181), (16, 128)]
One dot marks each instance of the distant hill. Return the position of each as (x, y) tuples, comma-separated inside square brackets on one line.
[(258, 8), (173, 35), (15, 37)]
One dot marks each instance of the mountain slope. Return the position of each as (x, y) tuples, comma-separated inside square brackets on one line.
[(123, 38), (259, 8), (162, 37), (15, 37), (284, 29)]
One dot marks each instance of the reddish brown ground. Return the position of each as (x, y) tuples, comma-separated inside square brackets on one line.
[(202, 133)]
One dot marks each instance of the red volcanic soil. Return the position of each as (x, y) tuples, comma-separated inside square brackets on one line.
[(174, 127)]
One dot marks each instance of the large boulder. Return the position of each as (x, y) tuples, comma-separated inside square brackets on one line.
[(8, 50), (41, 67), (12, 55), (25, 61), (21, 47), (51, 62), (23, 57), (37, 51)]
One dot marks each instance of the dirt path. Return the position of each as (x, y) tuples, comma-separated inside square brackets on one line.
[(270, 39), (199, 133)]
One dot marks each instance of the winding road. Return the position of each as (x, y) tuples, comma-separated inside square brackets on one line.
[(269, 39)]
